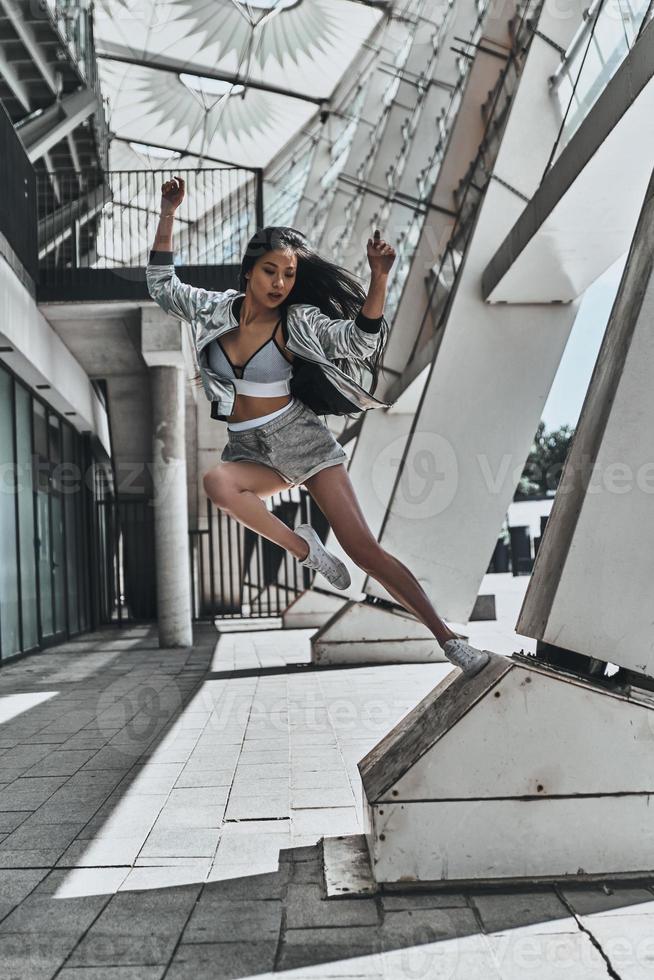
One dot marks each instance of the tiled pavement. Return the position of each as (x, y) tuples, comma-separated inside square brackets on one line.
[(159, 813)]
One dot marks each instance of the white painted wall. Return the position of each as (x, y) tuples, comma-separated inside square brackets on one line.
[(40, 357)]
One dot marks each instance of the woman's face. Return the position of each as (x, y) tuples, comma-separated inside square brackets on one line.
[(272, 277)]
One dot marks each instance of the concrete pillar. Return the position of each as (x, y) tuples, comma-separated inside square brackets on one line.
[(166, 350), (170, 501)]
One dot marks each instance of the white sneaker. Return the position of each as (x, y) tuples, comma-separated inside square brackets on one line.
[(468, 658), (322, 560)]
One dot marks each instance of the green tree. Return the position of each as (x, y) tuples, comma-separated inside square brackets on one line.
[(544, 464)]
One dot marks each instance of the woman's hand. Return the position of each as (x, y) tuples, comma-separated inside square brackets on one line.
[(172, 194), (381, 255)]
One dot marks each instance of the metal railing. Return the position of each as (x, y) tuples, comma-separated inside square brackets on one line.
[(124, 579), (236, 573), (89, 220)]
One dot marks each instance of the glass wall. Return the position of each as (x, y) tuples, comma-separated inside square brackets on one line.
[(9, 615), (44, 500), (597, 50)]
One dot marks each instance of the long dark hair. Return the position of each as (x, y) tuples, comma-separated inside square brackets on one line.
[(335, 291)]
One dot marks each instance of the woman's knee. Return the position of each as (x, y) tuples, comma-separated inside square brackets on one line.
[(366, 554), (217, 486)]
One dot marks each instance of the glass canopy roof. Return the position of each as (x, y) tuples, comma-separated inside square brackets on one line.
[(224, 80)]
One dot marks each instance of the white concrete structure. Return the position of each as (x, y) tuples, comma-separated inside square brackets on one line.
[(591, 586), (166, 352), (445, 475), (32, 348), (573, 777), (451, 798)]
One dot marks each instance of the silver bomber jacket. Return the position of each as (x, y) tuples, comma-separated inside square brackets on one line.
[(330, 372)]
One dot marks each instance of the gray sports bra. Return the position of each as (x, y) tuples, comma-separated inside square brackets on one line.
[(266, 372)]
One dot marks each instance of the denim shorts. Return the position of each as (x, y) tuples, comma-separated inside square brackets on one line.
[(296, 444)]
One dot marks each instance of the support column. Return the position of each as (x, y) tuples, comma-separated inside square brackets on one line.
[(170, 501), (165, 347)]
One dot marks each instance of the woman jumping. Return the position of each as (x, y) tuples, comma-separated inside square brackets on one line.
[(295, 342)]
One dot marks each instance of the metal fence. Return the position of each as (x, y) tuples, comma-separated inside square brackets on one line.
[(237, 574), (124, 579), (92, 221)]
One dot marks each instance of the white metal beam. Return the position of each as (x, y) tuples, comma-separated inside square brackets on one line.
[(583, 215), (58, 120)]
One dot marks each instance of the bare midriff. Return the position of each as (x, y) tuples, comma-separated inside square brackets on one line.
[(252, 406)]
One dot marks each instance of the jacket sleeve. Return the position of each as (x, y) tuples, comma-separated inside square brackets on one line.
[(172, 295), (359, 337)]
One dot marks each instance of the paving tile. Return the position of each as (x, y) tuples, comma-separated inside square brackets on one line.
[(244, 848), (418, 926), (509, 910), (220, 921), (76, 882), (468, 958), (62, 762), (112, 973), (221, 961), (101, 852), (187, 798), (168, 876), (614, 899), (306, 947), (627, 940), (332, 821), (27, 793), (318, 798), (180, 842), (243, 785), (255, 807), (528, 952), (188, 779), (319, 778), (23, 756), (41, 858), (16, 884), (282, 826), (276, 770), (39, 836), (171, 862), (10, 819), (307, 907), (172, 817), (247, 887), (136, 928), (32, 958)]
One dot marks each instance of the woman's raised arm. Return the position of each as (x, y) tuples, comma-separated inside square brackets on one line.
[(164, 285), (172, 195)]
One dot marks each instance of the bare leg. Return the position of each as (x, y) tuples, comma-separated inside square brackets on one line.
[(239, 489), (332, 490)]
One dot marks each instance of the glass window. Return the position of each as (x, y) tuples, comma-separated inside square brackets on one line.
[(9, 613), (43, 541), (72, 491), (25, 483)]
